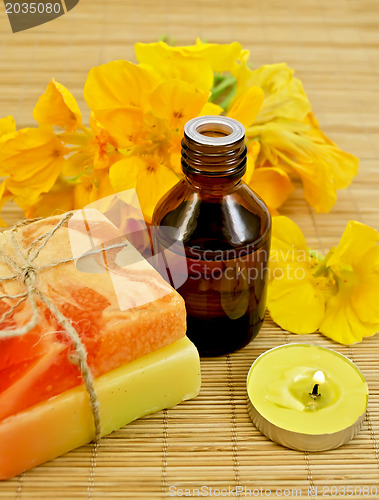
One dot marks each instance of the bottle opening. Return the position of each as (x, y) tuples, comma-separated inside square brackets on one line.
[(214, 129), (214, 146)]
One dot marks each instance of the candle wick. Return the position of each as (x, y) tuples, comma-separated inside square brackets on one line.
[(315, 392)]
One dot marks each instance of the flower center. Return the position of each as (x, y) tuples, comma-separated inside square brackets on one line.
[(151, 164)]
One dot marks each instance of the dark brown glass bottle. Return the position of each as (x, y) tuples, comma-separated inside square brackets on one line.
[(224, 228)]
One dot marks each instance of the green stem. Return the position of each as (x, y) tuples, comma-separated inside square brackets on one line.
[(226, 101), (226, 82)]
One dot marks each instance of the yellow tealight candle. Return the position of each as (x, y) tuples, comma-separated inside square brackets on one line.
[(306, 397)]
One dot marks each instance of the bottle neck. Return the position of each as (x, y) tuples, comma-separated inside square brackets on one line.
[(211, 186), (213, 152)]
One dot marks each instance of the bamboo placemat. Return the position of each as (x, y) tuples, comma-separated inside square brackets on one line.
[(210, 441)]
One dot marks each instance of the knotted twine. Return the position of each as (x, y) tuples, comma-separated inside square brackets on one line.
[(27, 274)]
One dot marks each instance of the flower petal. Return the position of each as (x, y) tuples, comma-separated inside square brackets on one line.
[(272, 184), (365, 301), (58, 200), (75, 165), (284, 94), (210, 108), (122, 124), (221, 57), (123, 174), (118, 84), (342, 324), (356, 240), (57, 106), (147, 175), (344, 165), (288, 143), (152, 185), (176, 63), (5, 195), (247, 106), (177, 102), (295, 304), (253, 149), (7, 126), (85, 192), (319, 190), (286, 235), (43, 154), (91, 188)]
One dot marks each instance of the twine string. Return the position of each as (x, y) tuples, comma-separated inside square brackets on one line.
[(27, 273)]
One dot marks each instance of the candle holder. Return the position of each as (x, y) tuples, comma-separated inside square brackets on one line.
[(279, 410)]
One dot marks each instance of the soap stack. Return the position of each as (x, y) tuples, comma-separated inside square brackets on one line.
[(130, 321)]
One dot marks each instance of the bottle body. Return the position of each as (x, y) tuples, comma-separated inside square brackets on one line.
[(224, 228)]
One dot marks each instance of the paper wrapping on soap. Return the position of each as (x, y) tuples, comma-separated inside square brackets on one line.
[(120, 306)]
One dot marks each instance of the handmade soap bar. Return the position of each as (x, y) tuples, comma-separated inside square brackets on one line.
[(75, 292), (120, 306), (159, 380)]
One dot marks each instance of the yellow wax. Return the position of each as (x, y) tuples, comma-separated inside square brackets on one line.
[(279, 383), (159, 380)]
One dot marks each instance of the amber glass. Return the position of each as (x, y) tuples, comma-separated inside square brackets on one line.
[(225, 231)]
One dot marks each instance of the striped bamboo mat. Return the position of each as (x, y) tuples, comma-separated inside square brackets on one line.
[(210, 442)]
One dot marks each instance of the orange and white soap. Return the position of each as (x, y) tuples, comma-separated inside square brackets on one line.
[(131, 322)]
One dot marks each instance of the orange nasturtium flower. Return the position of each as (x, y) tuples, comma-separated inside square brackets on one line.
[(336, 294)]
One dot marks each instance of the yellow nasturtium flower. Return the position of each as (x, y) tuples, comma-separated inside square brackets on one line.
[(176, 102), (57, 106), (291, 139), (119, 84), (91, 188), (284, 94), (322, 167), (87, 148), (353, 311), (145, 123), (138, 112), (31, 160), (194, 64), (272, 184), (336, 294), (63, 168), (138, 172), (221, 57), (295, 296)]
